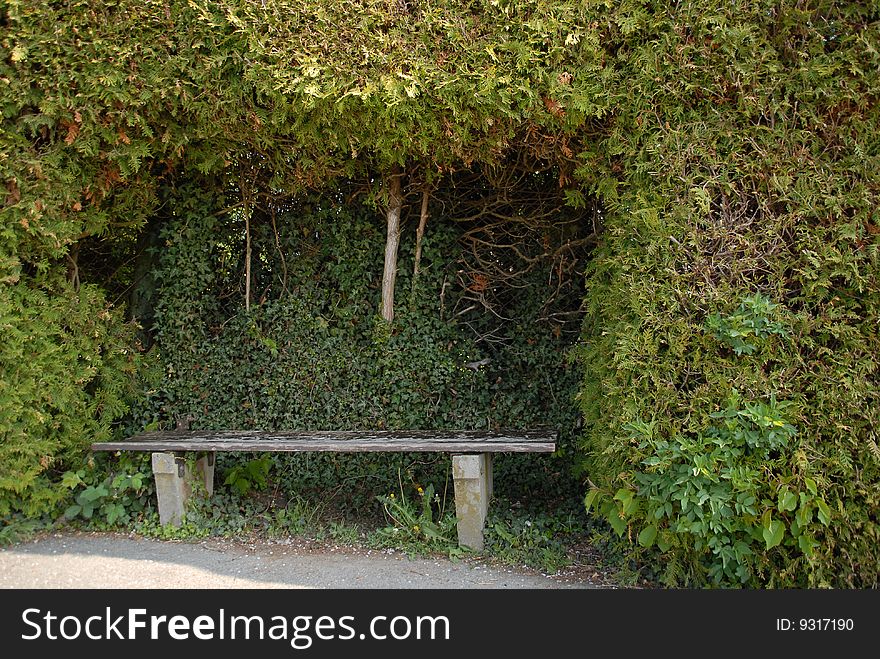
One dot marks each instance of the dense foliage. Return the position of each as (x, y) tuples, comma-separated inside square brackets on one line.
[(731, 306), (312, 354), (731, 344), (65, 370)]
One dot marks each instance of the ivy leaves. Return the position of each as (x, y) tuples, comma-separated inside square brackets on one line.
[(311, 353)]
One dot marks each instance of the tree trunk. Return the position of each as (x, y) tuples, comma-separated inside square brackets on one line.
[(395, 203)]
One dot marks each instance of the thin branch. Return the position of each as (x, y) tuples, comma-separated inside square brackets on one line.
[(280, 252), (246, 200), (73, 270), (420, 233)]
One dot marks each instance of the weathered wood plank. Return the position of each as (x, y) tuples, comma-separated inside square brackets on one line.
[(468, 441), (431, 435), (353, 446)]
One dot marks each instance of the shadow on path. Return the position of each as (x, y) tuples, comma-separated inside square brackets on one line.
[(104, 560)]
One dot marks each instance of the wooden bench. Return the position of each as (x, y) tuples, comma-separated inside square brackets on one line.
[(471, 451)]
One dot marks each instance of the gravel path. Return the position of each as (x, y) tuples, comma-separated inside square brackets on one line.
[(104, 560)]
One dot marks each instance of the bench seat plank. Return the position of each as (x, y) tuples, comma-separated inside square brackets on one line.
[(468, 441)]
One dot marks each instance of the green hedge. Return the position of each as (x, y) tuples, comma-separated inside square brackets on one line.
[(734, 146), (731, 347), (66, 368)]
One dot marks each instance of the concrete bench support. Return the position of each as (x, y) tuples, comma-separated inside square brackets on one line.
[(205, 469), (173, 487), (174, 484), (472, 476)]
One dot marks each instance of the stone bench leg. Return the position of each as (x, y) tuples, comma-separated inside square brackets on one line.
[(472, 477), (174, 484)]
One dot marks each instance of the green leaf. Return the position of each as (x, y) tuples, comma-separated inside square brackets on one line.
[(742, 549), (90, 494), (114, 511), (773, 533), (72, 511), (824, 512), (71, 479), (664, 540), (626, 498), (807, 544), (811, 486), (804, 514), (617, 523), (590, 499), (647, 536), (623, 495), (787, 500)]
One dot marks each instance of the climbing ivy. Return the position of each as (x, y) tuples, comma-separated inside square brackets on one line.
[(311, 353)]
